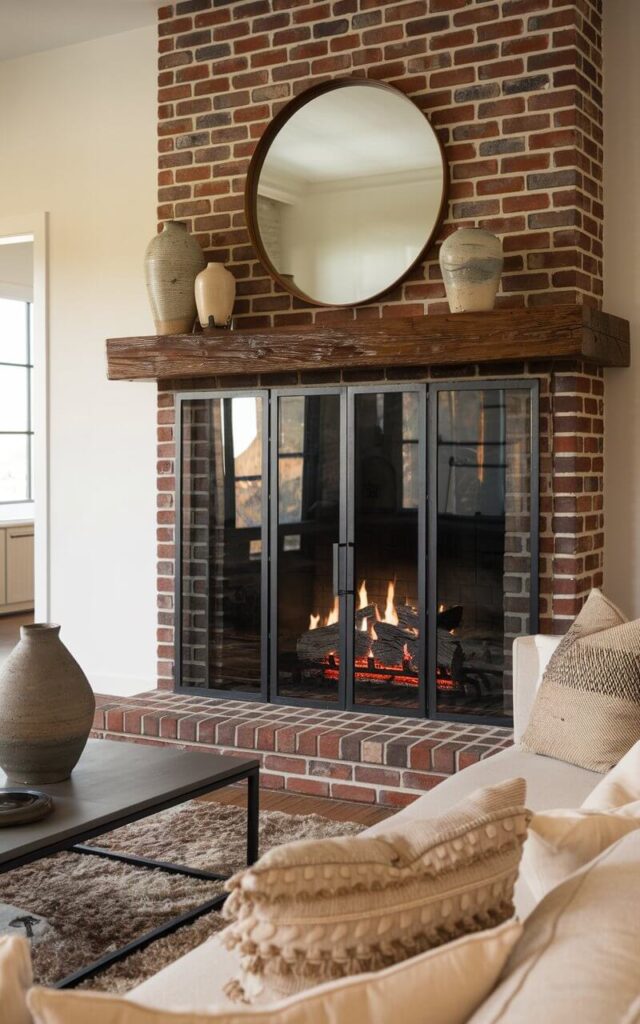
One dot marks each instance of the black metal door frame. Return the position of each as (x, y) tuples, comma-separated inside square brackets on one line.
[(262, 694), (304, 392), (532, 385), (427, 533), (376, 389)]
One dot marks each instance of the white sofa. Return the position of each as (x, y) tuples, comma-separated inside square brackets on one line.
[(197, 979)]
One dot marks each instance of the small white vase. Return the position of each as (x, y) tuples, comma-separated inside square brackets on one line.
[(471, 263), (215, 290)]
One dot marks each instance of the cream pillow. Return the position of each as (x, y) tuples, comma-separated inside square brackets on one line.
[(577, 960), (315, 910), (620, 786), (443, 986), (561, 841), (15, 979), (587, 709)]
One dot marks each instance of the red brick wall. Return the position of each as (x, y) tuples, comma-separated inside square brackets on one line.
[(513, 89)]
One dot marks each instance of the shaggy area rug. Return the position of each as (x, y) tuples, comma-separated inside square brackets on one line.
[(94, 905)]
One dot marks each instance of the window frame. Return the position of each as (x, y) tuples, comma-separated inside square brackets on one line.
[(29, 432)]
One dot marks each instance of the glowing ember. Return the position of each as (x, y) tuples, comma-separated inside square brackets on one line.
[(363, 599), (390, 613)]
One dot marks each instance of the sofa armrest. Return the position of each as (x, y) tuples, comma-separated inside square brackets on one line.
[(530, 657)]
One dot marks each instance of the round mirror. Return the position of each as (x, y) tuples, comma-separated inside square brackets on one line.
[(345, 191)]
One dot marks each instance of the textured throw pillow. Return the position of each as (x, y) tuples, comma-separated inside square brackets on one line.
[(455, 979), (311, 911), (577, 960), (15, 979), (559, 842), (587, 710)]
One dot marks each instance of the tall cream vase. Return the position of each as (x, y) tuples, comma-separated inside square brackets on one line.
[(46, 708), (171, 264), (215, 292)]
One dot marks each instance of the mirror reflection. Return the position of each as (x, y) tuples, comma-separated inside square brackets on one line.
[(349, 193)]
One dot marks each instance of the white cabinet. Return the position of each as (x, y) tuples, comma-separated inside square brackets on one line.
[(16, 567)]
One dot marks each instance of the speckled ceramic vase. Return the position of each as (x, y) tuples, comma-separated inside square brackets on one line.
[(46, 708), (215, 291), (471, 263), (171, 264)]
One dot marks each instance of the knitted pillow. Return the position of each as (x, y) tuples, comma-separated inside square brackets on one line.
[(587, 710), (315, 910)]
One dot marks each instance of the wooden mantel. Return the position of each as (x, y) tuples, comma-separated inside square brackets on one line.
[(554, 332)]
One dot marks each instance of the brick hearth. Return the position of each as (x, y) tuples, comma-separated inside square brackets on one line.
[(339, 754)]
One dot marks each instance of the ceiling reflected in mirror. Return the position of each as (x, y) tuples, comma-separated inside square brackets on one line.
[(345, 192)]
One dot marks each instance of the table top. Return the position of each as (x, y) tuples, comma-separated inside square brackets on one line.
[(112, 784)]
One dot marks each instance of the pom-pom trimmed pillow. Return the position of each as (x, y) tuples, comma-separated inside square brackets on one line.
[(315, 910)]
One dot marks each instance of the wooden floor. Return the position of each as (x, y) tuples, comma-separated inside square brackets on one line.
[(291, 803), (10, 631)]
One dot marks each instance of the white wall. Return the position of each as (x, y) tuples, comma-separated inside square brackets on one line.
[(622, 297), (364, 235), (78, 128)]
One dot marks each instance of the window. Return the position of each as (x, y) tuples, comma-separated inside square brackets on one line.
[(16, 433)]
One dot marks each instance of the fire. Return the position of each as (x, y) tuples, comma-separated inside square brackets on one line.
[(330, 620), (390, 613), (363, 599), (363, 627)]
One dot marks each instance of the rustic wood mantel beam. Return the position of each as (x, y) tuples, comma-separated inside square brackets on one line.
[(553, 332)]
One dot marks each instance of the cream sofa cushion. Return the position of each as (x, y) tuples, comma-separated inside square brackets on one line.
[(563, 840), (315, 910), (15, 979), (587, 710), (578, 958), (442, 986)]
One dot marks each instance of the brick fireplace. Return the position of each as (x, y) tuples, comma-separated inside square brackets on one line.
[(513, 90)]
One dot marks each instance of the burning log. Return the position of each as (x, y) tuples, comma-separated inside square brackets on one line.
[(316, 644), (393, 644)]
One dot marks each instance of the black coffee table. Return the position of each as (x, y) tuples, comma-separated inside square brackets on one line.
[(115, 784)]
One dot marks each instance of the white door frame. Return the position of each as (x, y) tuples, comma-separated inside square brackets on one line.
[(37, 226)]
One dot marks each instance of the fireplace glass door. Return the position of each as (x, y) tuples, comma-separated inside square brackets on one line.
[(222, 544), (387, 537), (484, 542), (306, 541)]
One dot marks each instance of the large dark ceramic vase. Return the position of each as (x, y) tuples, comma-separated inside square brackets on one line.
[(46, 708)]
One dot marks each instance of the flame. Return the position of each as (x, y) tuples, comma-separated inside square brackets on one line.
[(334, 614), (373, 634), (440, 608), (363, 599), (314, 621), (405, 653), (363, 626), (390, 613)]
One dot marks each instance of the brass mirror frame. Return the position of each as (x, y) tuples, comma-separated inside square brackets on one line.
[(260, 155)]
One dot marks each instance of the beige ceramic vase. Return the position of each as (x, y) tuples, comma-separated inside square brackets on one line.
[(46, 708), (215, 292), (172, 261), (471, 263)]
